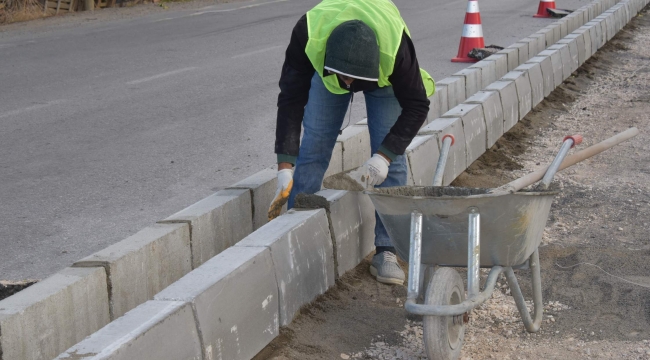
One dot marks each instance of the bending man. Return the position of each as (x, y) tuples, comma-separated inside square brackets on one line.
[(338, 48)]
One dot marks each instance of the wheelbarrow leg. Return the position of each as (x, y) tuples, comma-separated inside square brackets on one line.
[(530, 324), (415, 255)]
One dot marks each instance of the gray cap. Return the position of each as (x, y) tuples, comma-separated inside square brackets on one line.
[(352, 50)]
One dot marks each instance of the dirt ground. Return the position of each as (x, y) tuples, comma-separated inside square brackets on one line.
[(595, 250)]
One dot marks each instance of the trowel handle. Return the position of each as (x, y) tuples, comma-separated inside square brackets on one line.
[(573, 159), (447, 141)]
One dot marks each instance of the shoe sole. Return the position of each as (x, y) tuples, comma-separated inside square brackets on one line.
[(385, 280)]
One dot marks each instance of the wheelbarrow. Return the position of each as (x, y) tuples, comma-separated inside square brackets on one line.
[(450, 227)]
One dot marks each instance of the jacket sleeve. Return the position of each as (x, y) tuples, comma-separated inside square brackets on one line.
[(295, 82), (412, 97)]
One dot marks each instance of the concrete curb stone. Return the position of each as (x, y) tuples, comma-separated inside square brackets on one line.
[(597, 30), (500, 65), (216, 223), (567, 62), (355, 142), (531, 46), (262, 186), (336, 161), (234, 321), (152, 331), (547, 33), (522, 52), (548, 74), (509, 102), (439, 103), (143, 264), (541, 43), (524, 92), (472, 78), (556, 62), (301, 248), (474, 128), (534, 71), (572, 43), (422, 155), (45, 319), (603, 30), (585, 53), (557, 34), (488, 72), (563, 25), (493, 112), (353, 230), (580, 42), (611, 26), (455, 90), (457, 158), (513, 57)]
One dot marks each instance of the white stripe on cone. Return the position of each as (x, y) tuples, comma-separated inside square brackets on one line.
[(472, 6), (547, 1), (472, 31)]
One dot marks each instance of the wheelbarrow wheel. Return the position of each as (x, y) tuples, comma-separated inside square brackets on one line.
[(443, 335)]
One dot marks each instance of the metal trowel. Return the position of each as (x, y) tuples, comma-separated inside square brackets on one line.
[(351, 180)]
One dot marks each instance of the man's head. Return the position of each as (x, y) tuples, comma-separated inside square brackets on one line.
[(353, 52)]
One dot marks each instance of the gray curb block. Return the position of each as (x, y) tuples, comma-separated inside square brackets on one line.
[(200, 290)]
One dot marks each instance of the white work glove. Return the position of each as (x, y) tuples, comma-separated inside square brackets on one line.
[(376, 169), (285, 183)]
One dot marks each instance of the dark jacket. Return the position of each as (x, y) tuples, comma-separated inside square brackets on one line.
[(295, 83)]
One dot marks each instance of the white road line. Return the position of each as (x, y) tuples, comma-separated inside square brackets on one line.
[(165, 19), (234, 9), (30, 108), (256, 52), (170, 73)]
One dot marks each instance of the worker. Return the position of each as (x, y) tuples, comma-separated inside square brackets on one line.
[(341, 47)]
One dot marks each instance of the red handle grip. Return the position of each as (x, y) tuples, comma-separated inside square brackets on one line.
[(577, 139), (453, 139)]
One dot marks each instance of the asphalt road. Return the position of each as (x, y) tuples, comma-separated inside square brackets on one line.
[(106, 128)]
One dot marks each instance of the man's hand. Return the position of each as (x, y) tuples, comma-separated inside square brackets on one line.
[(285, 183), (376, 169)]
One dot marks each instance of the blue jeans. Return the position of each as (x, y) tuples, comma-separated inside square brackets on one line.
[(324, 115)]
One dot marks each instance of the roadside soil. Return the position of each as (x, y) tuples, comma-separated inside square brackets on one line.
[(595, 252)]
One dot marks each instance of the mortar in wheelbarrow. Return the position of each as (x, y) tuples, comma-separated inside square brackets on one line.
[(511, 225)]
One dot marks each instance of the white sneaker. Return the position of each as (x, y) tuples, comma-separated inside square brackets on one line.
[(385, 268)]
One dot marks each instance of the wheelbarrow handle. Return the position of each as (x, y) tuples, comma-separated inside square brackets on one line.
[(573, 159), (447, 141), (567, 144)]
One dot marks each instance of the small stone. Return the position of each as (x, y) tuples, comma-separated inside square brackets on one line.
[(552, 319), (640, 351), (345, 356), (592, 333), (620, 229)]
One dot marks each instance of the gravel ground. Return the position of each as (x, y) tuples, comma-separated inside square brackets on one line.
[(594, 252)]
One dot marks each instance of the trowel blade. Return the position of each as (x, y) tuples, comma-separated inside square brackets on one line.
[(353, 180)]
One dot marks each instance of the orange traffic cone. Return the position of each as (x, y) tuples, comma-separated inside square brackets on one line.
[(472, 33), (543, 5)]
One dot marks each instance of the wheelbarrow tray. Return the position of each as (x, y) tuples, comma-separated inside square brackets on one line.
[(511, 225)]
